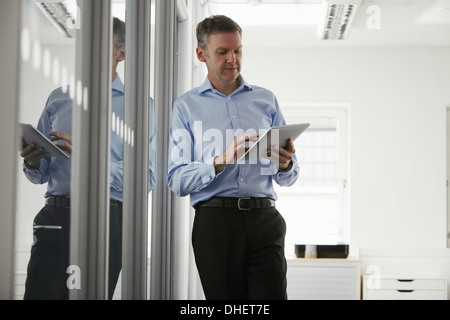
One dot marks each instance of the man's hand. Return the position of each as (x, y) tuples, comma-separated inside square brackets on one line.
[(282, 156), (67, 146), (32, 155), (235, 150)]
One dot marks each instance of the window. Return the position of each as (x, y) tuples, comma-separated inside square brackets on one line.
[(315, 207)]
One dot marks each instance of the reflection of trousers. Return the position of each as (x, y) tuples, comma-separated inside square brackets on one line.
[(240, 254), (47, 269)]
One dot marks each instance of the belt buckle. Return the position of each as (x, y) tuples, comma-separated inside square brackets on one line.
[(239, 204)]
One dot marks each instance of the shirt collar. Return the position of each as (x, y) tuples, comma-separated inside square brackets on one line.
[(117, 84), (207, 85)]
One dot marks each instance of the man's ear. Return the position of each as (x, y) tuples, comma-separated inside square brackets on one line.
[(120, 56), (201, 54)]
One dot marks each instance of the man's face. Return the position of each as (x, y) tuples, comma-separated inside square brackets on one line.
[(222, 55)]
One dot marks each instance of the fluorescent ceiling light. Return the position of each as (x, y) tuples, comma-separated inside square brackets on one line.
[(63, 14), (337, 18)]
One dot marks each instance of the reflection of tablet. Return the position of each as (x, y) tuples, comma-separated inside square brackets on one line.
[(275, 136), (31, 135)]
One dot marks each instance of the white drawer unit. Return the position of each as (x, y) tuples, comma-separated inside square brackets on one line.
[(404, 288), (323, 279)]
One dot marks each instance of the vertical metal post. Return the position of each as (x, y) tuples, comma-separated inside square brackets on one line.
[(136, 150), (90, 158), (180, 206), (10, 17), (161, 269)]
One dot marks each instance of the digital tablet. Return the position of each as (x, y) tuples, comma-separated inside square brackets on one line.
[(275, 136), (31, 135)]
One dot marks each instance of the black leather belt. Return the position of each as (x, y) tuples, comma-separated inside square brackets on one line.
[(64, 201), (238, 203)]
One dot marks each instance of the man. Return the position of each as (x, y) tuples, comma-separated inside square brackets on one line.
[(238, 235), (47, 268)]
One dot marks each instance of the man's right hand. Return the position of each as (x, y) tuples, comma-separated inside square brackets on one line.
[(32, 155), (235, 150)]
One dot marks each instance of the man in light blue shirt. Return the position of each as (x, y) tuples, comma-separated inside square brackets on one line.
[(46, 278), (238, 235), (56, 123)]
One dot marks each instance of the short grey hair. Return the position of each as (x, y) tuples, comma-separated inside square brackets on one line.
[(213, 25), (118, 33)]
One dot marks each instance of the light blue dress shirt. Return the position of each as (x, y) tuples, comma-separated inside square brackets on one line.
[(204, 124), (57, 116)]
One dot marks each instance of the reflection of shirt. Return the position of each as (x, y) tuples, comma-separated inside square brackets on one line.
[(204, 124), (57, 116)]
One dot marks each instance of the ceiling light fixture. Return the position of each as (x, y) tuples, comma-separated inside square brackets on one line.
[(62, 14), (337, 18)]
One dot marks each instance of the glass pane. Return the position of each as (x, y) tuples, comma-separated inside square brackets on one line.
[(318, 150), (118, 131), (121, 126), (153, 141), (50, 92), (47, 93)]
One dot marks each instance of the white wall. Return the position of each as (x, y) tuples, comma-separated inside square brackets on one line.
[(397, 123), (398, 98)]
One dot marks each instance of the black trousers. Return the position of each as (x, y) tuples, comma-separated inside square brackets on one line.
[(47, 268), (240, 254)]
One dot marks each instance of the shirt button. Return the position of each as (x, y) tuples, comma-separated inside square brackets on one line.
[(242, 180), (229, 98), (234, 117)]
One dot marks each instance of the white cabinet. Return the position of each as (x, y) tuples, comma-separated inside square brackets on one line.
[(323, 279), (377, 287)]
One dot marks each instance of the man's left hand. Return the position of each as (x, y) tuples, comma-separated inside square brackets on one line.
[(282, 156)]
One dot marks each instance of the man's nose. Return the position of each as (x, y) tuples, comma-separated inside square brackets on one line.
[(231, 58)]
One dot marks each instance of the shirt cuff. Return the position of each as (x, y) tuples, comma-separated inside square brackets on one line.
[(289, 168), (34, 175), (208, 173)]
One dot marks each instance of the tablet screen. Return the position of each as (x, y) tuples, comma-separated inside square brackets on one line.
[(31, 135), (275, 136)]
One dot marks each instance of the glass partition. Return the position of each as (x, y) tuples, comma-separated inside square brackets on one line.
[(47, 93), (153, 145), (69, 95)]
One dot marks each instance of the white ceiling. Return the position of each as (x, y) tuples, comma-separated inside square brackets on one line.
[(402, 23), (293, 23)]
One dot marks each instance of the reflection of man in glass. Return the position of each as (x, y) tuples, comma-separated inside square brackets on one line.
[(46, 274)]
